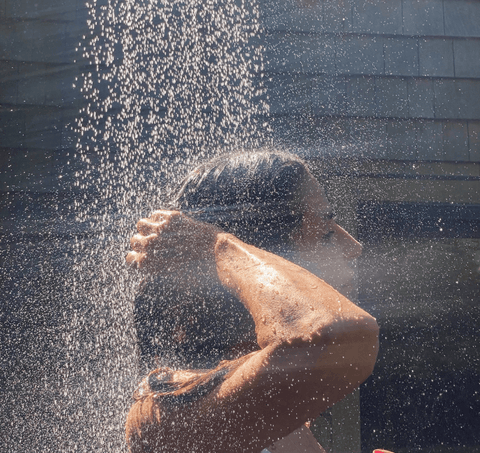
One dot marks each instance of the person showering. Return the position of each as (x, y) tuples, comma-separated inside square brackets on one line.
[(247, 344)]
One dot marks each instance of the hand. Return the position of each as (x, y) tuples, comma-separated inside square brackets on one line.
[(169, 240)]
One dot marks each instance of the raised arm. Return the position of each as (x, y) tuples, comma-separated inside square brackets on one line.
[(317, 346), (289, 305)]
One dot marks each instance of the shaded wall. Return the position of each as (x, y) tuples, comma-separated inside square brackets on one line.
[(39, 64), (395, 79)]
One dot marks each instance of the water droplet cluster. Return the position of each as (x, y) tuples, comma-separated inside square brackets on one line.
[(170, 83)]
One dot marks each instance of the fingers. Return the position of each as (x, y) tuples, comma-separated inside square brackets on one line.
[(141, 243), (147, 227), (162, 230), (158, 216), (159, 219), (136, 260)]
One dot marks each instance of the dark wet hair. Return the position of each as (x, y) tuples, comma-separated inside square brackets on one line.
[(256, 197), (253, 195)]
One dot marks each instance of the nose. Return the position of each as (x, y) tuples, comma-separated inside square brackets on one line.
[(349, 246)]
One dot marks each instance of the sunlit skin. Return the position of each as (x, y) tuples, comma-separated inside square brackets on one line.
[(316, 345)]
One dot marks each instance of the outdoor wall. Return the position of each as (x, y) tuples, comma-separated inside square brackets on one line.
[(395, 79), (39, 63), (38, 106)]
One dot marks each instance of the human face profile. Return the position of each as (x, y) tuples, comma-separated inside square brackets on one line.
[(321, 245)]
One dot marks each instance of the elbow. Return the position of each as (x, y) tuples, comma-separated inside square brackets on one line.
[(356, 328), (364, 347), (354, 343), (369, 345), (366, 330)]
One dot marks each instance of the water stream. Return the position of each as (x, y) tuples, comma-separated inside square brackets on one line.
[(171, 83)]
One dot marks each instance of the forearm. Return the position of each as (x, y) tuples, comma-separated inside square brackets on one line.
[(288, 304)]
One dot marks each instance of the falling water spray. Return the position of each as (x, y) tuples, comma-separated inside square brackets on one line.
[(170, 84)]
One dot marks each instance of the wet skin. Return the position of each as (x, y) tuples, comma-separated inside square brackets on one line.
[(316, 345)]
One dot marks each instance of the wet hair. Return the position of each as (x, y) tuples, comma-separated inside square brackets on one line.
[(256, 197), (253, 195)]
